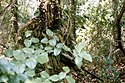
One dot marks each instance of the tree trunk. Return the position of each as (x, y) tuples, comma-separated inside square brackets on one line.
[(14, 17), (119, 35)]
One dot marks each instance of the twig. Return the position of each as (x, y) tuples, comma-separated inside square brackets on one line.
[(71, 60), (95, 76)]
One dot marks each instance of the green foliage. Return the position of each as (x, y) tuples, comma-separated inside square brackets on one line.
[(25, 60), (54, 78), (109, 71), (70, 79), (28, 33), (44, 74), (19, 55), (95, 32), (10, 72), (62, 75), (52, 42), (57, 51), (8, 53), (44, 40), (66, 69), (80, 54), (49, 32), (31, 63), (42, 58)]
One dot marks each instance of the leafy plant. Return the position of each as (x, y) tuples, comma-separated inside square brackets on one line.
[(35, 52), (80, 54)]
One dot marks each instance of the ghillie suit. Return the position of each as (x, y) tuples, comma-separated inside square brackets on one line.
[(49, 18)]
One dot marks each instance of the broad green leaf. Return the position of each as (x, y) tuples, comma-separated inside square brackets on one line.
[(59, 45), (49, 51), (48, 48), (8, 53), (44, 74), (35, 46), (5, 65), (44, 40), (62, 75), (37, 80), (75, 53), (49, 67), (57, 51), (49, 32), (41, 46), (86, 56), (82, 53), (28, 50), (42, 59), (44, 54), (30, 73), (78, 61), (31, 63), (35, 40), (27, 42), (11, 72), (47, 81), (79, 47), (66, 48), (19, 68), (52, 42), (3, 79), (56, 38), (39, 51), (66, 69), (19, 55), (28, 33), (15, 79), (54, 78), (29, 81), (70, 79), (28, 55)]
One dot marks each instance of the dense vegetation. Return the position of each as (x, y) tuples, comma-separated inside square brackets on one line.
[(62, 41)]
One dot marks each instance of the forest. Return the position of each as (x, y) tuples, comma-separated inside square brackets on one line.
[(62, 41)]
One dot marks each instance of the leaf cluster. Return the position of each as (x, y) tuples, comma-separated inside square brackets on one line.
[(36, 51)]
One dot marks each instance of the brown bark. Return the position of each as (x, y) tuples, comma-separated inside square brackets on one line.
[(73, 2), (118, 20), (15, 15)]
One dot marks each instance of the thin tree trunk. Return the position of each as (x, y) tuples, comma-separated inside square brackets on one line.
[(73, 13), (119, 36), (0, 6), (14, 15)]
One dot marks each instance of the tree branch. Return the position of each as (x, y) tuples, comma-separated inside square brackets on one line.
[(118, 20), (68, 60), (2, 13)]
